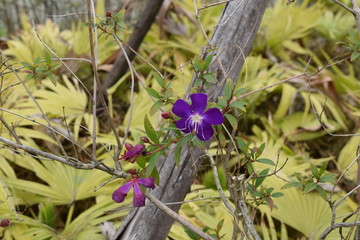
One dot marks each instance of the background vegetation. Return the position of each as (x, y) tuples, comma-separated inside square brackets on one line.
[(308, 121)]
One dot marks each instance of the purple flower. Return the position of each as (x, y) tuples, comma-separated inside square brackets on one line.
[(193, 117), (139, 197), (133, 152)]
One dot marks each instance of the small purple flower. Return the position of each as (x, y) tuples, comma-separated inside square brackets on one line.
[(193, 117), (139, 197), (133, 152)]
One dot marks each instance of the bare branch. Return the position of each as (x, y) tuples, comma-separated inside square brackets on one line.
[(177, 217), (344, 6), (338, 225), (68, 161)]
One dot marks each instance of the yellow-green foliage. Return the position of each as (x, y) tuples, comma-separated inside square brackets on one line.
[(282, 117), (283, 24)]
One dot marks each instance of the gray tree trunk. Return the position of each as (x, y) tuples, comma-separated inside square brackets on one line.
[(233, 39)]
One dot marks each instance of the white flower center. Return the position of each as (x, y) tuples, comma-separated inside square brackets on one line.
[(196, 119)]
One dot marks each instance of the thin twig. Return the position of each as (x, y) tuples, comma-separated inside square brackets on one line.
[(176, 216), (67, 161), (213, 4), (218, 185), (60, 59), (337, 225), (94, 61), (344, 6), (9, 196), (12, 132), (48, 127), (52, 130)]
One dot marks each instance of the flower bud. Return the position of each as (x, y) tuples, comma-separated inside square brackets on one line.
[(165, 115), (108, 14), (5, 222), (132, 172), (145, 140), (128, 146)]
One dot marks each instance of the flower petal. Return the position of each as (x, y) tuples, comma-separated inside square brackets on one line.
[(199, 102), (147, 182), (205, 131), (139, 197), (181, 109), (213, 116), (133, 152), (183, 125), (120, 193)]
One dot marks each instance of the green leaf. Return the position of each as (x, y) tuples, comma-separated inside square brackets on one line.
[(240, 91), (309, 187), (240, 105), (298, 176), (47, 58), (29, 76), (257, 194), (55, 67), (232, 120), (51, 77), (207, 62), (155, 174), (329, 177), (152, 163), (150, 131), (220, 225), (222, 102), (314, 171), (354, 56), (199, 143), (28, 65), (260, 180), (37, 61), (260, 150), (322, 192), (323, 168), (179, 146), (265, 161), (159, 80), (241, 144), (41, 70), (141, 161), (290, 184), (269, 190), (197, 64), (229, 85), (277, 194), (155, 107), (153, 93), (209, 77), (191, 234)]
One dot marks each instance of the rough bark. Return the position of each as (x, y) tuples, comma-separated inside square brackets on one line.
[(233, 39), (147, 17)]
